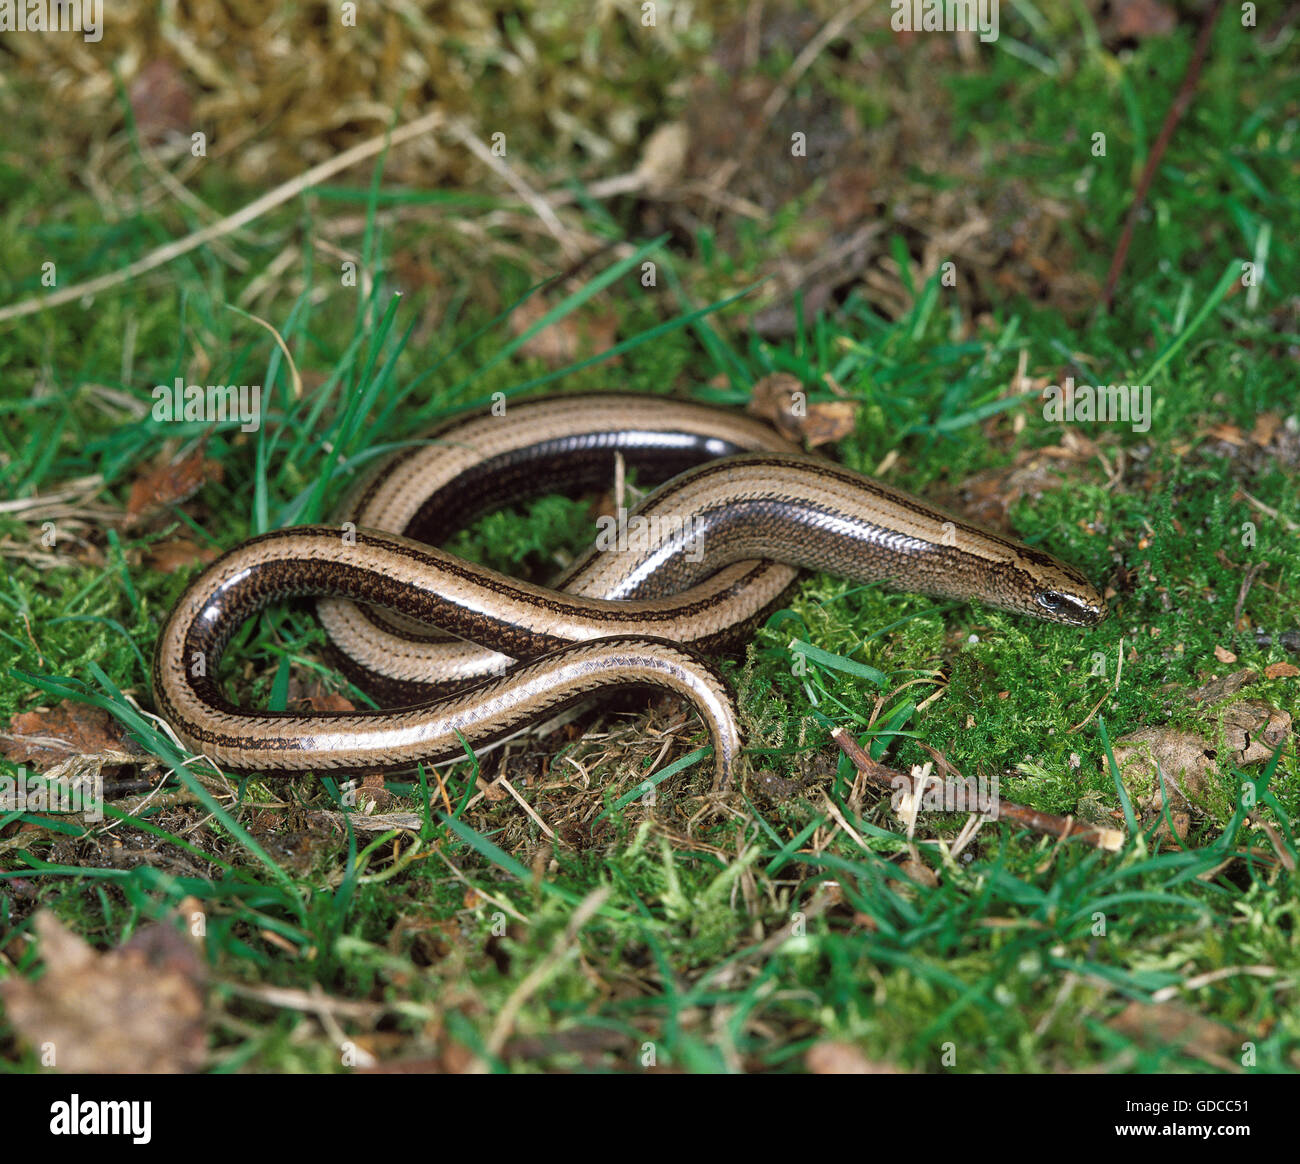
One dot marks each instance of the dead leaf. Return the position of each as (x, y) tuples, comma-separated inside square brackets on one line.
[(137, 1009), (781, 400), (1162, 1025), (567, 339), (920, 872), (324, 701), (160, 101), (1183, 760), (1140, 19), (1281, 671), (170, 484), (179, 554), (1224, 655), (663, 157), (1228, 433), (828, 421), (45, 738), (986, 497), (373, 796), (1253, 729), (454, 1060), (836, 1058), (1218, 689), (1265, 429)]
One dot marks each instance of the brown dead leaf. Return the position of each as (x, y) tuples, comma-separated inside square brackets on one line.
[(455, 1059), (1218, 689), (1265, 429), (160, 101), (178, 554), (324, 701), (1140, 19), (1228, 433), (1163, 1025), (1253, 729), (1224, 655), (373, 796), (1281, 671), (663, 157), (48, 737), (920, 872), (772, 399), (566, 340), (828, 421), (986, 497), (170, 484), (781, 400), (1182, 824), (137, 1009), (837, 1058), (1183, 760)]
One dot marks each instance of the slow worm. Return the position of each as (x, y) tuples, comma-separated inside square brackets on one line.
[(690, 571)]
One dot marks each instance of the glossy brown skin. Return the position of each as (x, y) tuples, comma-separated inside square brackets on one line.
[(564, 444), (749, 511)]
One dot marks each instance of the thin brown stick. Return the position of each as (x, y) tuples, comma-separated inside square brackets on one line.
[(1172, 118), (1066, 827), (1247, 581), (164, 254), (833, 28), (1119, 672)]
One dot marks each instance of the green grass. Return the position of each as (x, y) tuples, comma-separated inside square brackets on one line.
[(733, 941)]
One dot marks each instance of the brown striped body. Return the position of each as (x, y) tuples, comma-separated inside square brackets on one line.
[(731, 534)]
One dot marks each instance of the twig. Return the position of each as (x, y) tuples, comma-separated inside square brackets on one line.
[(1165, 993), (1172, 118), (1287, 640), (528, 808), (1283, 853), (313, 1002), (808, 54), (1119, 671), (781, 94), (273, 198), (564, 948), (1268, 509), (1247, 581), (526, 193), (891, 779), (374, 822)]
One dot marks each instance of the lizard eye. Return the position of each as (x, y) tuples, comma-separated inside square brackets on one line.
[(1050, 600)]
